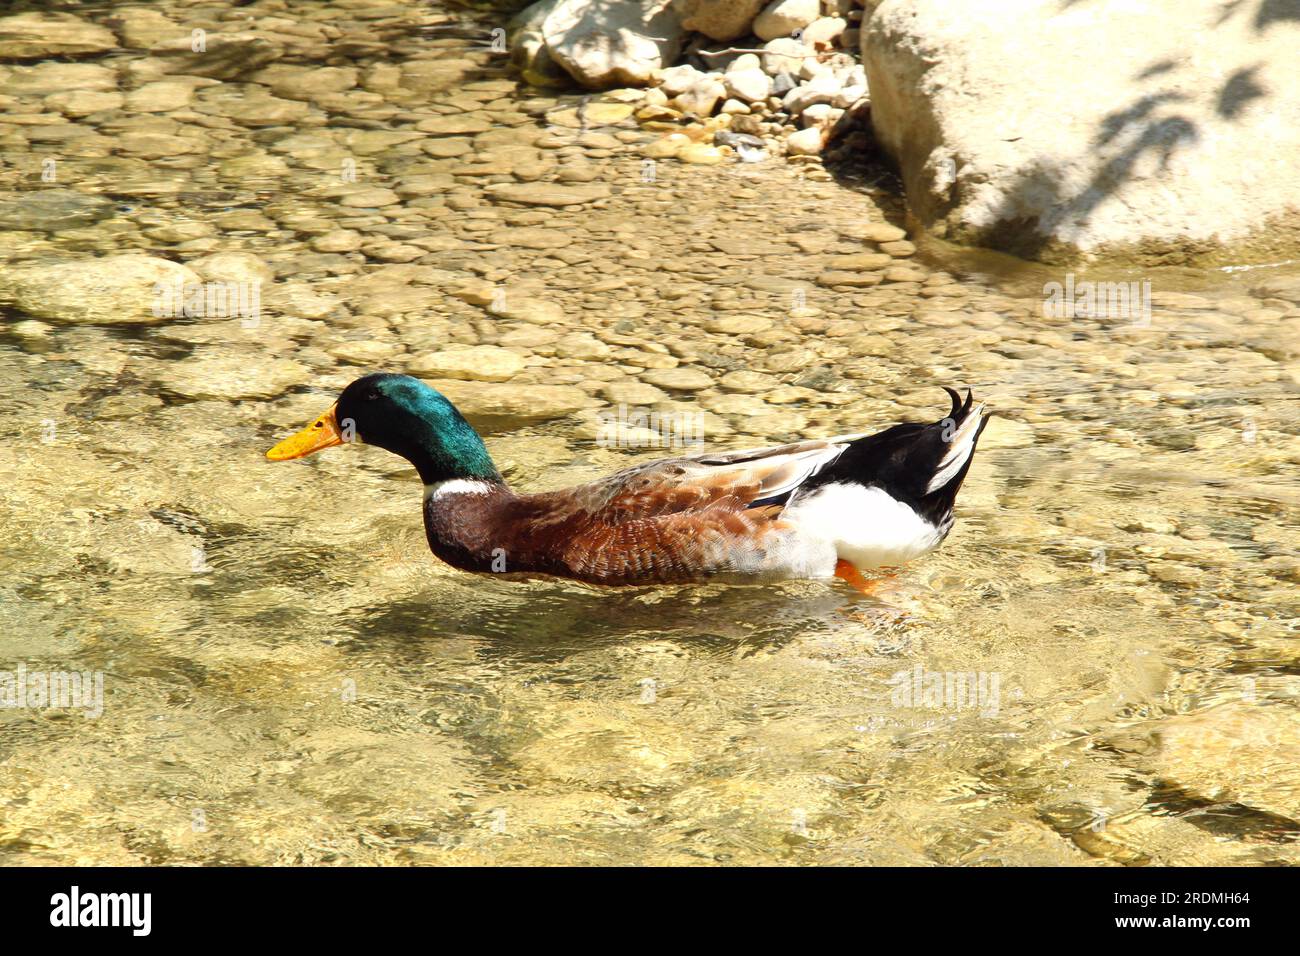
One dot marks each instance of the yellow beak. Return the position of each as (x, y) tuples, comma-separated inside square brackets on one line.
[(322, 433)]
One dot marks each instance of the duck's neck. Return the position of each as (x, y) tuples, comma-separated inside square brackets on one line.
[(446, 467), (444, 451)]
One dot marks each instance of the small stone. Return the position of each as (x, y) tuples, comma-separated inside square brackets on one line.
[(477, 293), (782, 84), (582, 346), (749, 86), (449, 147), (164, 96), (255, 165), (678, 379), (821, 115), (35, 36), (51, 210), (602, 45), (849, 96), (241, 267), (701, 154), (678, 79), (157, 145), (784, 55), (231, 377), (1260, 737), (903, 274), (547, 194), (31, 330), (737, 141), (526, 309), (607, 114), (456, 123), (108, 290), (54, 77), (872, 232), (224, 56), (367, 352), (479, 363), (852, 279), (185, 230), (804, 142), (752, 125), (300, 300), (77, 103), (744, 380), (900, 249), (702, 98), (306, 82), (373, 198), (667, 147), (822, 88), (737, 324), (1171, 573), (632, 393), (264, 110), (781, 18), (863, 261), (746, 405), (337, 240), (823, 32)]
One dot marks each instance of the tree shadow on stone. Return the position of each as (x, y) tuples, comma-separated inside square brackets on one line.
[(1022, 231), (1276, 11), (1040, 209), (1238, 92)]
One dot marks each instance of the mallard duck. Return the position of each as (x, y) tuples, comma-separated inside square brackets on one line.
[(818, 509)]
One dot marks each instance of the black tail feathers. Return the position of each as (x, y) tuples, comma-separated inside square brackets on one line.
[(921, 465)]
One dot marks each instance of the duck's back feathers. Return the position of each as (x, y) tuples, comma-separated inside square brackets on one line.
[(681, 519), (754, 478)]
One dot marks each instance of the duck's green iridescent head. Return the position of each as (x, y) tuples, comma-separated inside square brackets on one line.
[(405, 416)]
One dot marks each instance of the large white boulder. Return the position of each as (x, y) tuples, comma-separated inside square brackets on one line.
[(607, 43), (1162, 131)]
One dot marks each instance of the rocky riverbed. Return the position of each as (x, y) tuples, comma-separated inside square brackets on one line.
[(291, 678)]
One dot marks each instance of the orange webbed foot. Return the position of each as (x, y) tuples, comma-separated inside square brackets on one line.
[(857, 580), (883, 591)]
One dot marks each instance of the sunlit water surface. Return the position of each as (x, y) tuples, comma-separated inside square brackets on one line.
[(290, 677)]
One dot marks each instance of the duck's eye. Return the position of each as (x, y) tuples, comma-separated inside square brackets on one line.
[(372, 396)]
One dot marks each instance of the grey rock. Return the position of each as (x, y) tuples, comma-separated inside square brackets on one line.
[(49, 210), (783, 83)]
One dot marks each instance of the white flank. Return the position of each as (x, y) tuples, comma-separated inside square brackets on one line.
[(869, 528), (959, 450), (456, 486)]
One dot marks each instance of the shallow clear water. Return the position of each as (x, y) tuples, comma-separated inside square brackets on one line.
[(290, 677)]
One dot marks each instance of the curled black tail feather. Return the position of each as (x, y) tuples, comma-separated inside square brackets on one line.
[(904, 460)]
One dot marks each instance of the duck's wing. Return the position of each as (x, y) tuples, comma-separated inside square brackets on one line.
[(742, 479), (675, 520)]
